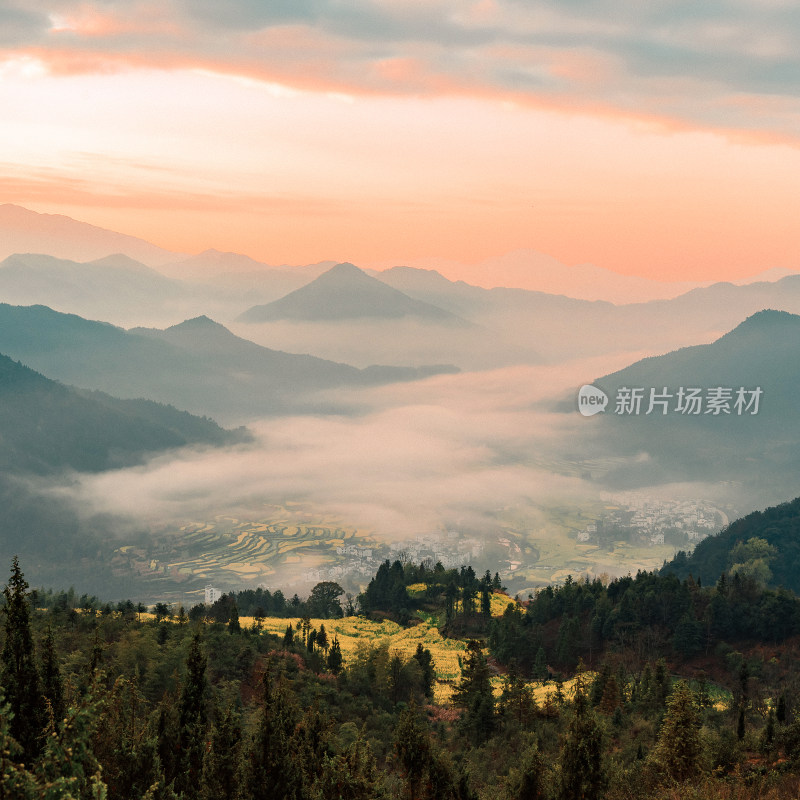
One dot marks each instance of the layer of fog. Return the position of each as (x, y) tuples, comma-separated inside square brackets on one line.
[(452, 452)]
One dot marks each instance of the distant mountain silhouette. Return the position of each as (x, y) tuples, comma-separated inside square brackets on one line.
[(761, 353), (236, 267), (25, 231), (198, 365), (345, 292), (46, 426), (104, 286)]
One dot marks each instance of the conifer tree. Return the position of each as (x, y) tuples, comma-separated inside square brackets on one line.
[(582, 773), (780, 713), (334, 660), (424, 658), (678, 753), (427, 773), (474, 694), (220, 776), (517, 700), (526, 781), (124, 743), (322, 639), (486, 596), (233, 623), (271, 771), (96, 656), (192, 717), (288, 636), (352, 775), (18, 674), (612, 697), (52, 684)]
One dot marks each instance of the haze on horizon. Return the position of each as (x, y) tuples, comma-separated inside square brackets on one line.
[(657, 141)]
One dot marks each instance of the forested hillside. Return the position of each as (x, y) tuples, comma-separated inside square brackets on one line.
[(648, 687), (764, 545)]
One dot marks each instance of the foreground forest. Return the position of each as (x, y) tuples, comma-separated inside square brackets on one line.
[(644, 687)]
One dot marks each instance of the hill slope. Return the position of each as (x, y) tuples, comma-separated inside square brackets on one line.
[(730, 444), (198, 365), (779, 526), (46, 426)]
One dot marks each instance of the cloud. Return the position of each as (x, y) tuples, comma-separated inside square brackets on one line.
[(456, 448), (686, 64)]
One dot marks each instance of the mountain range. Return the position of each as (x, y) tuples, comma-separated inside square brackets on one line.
[(197, 365), (535, 271), (25, 231)]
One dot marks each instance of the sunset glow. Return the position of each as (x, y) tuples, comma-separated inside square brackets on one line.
[(640, 141)]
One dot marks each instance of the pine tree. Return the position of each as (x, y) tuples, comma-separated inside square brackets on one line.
[(271, 771), (96, 656), (192, 717), (233, 623), (124, 742), (517, 701), (780, 713), (311, 746), (474, 694), (425, 659), (486, 596), (52, 684), (288, 636), (18, 674), (334, 660), (612, 697), (527, 780), (220, 776), (582, 773), (678, 753), (322, 639), (427, 773), (662, 683), (352, 775)]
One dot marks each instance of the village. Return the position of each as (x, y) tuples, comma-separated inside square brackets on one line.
[(641, 520)]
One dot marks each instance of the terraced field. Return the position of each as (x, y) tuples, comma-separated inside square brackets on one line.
[(232, 552)]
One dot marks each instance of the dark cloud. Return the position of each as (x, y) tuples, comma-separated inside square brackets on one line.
[(21, 26)]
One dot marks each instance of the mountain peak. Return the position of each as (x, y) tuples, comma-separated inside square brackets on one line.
[(345, 268), (768, 321), (201, 323), (345, 292)]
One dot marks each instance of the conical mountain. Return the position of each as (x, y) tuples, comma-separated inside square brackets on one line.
[(345, 292)]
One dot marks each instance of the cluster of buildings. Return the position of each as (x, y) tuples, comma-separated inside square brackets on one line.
[(646, 520)]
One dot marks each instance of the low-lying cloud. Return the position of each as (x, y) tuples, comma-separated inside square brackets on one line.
[(417, 457)]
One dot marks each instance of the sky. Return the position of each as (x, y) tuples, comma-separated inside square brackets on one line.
[(655, 139)]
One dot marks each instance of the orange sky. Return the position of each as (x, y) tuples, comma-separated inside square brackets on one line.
[(643, 142)]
